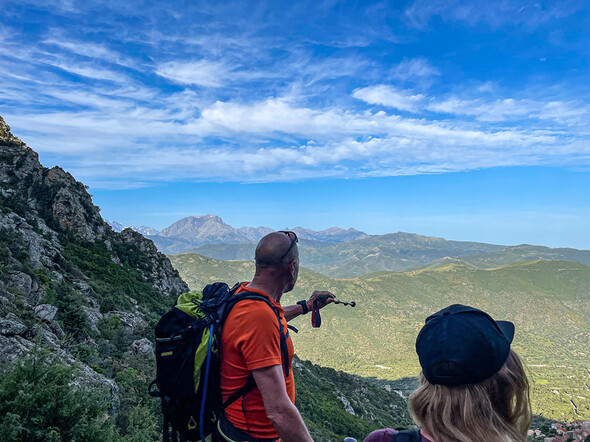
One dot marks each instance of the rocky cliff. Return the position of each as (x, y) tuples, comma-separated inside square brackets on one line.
[(67, 280)]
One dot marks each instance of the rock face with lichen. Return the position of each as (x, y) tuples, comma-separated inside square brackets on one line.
[(67, 280)]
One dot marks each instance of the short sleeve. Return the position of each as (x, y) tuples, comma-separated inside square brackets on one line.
[(258, 339), (385, 435)]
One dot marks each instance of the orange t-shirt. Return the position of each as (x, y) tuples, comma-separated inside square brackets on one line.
[(250, 340)]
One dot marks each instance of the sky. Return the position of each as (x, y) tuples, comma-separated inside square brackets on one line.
[(462, 119)]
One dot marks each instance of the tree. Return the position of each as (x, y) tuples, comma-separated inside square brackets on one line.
[(38, 402)]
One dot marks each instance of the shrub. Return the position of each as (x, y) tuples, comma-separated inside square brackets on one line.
[(39, 403)]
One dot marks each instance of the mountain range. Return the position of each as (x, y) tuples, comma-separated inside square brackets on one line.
[(144, 230), (341, 253), (400, 252), (194, 231)]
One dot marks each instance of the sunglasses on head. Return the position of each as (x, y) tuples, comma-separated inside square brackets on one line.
[(294, 241)]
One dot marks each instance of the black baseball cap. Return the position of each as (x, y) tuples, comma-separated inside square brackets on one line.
[(462, 345)]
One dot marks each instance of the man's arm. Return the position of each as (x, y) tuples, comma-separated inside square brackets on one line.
[(279, 409), (292, 311)]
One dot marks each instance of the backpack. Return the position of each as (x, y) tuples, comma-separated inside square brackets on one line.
[(407, 436), (188, 339)]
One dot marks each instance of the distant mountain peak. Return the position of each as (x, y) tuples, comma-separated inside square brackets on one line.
[(144, 230)]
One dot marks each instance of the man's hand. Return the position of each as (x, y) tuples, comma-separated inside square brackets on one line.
[(324, 298)]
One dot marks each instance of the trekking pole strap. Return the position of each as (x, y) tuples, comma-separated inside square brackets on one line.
[(316, 319)]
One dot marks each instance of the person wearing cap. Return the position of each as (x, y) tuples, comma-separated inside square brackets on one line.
[(473, 386)]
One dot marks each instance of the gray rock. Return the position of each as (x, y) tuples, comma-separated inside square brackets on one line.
[(161, 274), (56, 329), (20, 281), (143, 347), (13, 347), (11, 326), (131, 323), (46, 336), (46, 312), (7, 295), (3, 302), (94, 315)]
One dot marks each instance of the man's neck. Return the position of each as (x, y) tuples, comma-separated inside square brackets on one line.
[(267, 287)]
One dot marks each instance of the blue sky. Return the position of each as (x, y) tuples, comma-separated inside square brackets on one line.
[(467, 120)]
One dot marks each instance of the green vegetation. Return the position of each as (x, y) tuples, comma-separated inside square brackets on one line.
[(37, 403), (113, 283), (399, 252), (549, 301), (70, 313), (322, 392)]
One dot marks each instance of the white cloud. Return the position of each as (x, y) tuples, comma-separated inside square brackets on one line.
[(87, 49), (530, 13), (510, 109), (272, 108), (414, 69), (90, 71), (201, 73), (391, 97)]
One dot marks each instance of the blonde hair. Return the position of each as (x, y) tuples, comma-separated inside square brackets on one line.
[(495, 410)]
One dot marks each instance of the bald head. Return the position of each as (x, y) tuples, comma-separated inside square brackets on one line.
[(271, 248)]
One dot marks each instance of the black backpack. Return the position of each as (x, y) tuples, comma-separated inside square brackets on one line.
[(188, 339), (407, 436)]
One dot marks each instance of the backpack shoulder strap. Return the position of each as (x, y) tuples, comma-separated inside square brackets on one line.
[(282, 334), (407, 436)]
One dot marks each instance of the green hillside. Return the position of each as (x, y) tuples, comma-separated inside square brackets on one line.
[(400, 252), (525, 252), (549, 301), (391, 252)]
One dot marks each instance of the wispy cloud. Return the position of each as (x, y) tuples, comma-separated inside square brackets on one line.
[(200, 73), (510, 109), (530, 13), (414, 69), (391, 97), (219, 88)]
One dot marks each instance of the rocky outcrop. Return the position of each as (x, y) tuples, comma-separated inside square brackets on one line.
[(45, 202), (46, 312), (158, 271), (142, 347), (51, 234), (11, 326)]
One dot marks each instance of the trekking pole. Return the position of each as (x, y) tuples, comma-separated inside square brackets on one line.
[(316, 319), (338, 301)]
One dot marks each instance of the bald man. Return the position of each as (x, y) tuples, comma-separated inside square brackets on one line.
[(251, 345)]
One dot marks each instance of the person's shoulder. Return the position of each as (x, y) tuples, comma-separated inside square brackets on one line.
[(251, 310), (384, 435)]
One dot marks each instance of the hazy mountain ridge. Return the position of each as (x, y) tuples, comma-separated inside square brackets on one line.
[(144, 230), (399, 252), (367, 254), (194, 231)]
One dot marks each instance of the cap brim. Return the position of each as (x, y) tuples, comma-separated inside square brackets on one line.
[(507, 329)]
